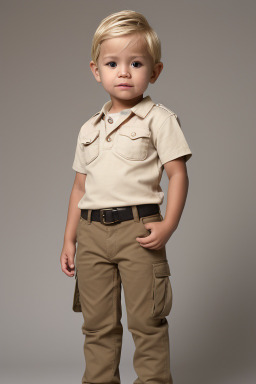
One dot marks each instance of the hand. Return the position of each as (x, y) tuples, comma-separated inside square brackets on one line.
[(67, 258), (160, 234)]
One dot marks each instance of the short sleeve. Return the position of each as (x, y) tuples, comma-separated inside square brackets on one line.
[(79, 161), (171, 142)]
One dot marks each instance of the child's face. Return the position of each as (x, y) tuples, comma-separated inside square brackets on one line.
[(125, 59)]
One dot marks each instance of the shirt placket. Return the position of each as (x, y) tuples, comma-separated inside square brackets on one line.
[(111, 129)]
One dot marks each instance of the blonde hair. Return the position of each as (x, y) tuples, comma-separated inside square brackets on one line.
[(123, 23)]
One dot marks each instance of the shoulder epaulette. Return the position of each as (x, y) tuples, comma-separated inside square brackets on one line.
[(167, 109)]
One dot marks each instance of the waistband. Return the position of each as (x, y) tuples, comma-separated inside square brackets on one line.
[(115, 215)]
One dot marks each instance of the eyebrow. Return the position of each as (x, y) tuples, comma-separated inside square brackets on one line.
[(116, 57)]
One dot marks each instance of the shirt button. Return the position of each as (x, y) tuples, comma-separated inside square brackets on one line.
[(133, 134), (110, 120), (109, 139)]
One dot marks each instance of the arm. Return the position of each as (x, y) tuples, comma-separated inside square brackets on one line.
[(176, 197), (177, 192), (69, 245)]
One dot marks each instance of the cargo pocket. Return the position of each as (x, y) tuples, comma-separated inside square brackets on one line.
[(90, 141), (76, 300), (162, 290), (132, 142)]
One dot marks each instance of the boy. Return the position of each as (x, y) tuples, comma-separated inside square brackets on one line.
[(114, 213)]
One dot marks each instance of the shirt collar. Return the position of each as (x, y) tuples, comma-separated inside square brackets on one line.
[(141, 109)]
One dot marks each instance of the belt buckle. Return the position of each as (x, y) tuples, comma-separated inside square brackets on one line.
[(102, 216)]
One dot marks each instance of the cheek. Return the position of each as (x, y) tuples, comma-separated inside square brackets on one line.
[(108, 76), (142, 77), (105, 74)]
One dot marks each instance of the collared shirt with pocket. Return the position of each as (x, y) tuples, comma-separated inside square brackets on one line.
[(123, 160)]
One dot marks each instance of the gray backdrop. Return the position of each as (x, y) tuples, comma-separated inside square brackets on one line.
[(48, 92)]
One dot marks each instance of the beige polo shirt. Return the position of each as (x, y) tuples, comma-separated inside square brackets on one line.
[(123, 158)]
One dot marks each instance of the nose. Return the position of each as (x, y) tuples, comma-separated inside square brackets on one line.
[(124, 72)]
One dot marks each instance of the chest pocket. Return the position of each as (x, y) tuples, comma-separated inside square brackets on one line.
[(132, 142), (90, 141)]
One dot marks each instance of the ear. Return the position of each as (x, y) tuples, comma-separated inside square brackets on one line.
[(158, 67), (95, 71)]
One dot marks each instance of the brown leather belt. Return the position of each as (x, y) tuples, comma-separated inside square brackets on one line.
[(118, 214)]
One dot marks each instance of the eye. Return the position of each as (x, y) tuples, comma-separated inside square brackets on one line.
[(110, 64), (136, 64)]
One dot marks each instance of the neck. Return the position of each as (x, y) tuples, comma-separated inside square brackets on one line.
[(120, 105)]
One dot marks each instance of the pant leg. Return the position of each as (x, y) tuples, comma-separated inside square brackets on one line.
[(99, 286), (148, 298)]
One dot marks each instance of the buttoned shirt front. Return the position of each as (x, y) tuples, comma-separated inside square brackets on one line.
[(124, 160)]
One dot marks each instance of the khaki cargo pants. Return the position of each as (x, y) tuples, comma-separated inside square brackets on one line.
[(108, 256)]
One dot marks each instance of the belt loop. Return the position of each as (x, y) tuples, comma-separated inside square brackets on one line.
[(135, 213), (89, 215)]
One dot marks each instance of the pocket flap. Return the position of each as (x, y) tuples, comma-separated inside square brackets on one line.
[(89, 137), (162, 269), (134, 132)]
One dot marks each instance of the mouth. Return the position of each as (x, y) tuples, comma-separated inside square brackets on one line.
[(124, 85)]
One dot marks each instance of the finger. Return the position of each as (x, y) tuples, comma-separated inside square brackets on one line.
[(63, 262), (66, 270), (140, 238), (71, 262), (70, 274), (152, 245), (148, 241), (65, 267), (145, 239)]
